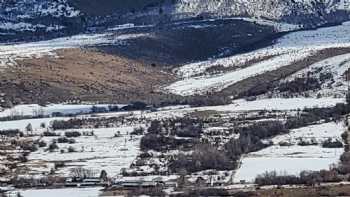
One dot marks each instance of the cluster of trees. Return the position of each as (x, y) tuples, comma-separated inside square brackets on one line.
[(185, 134), (11, 133), (137, 105), (299, 85), (136, 131), (196, 100), (180, 133), (50, 134), (203, 157), (105, 122), (312, 115), (207, 156), (305, 177), (52, 147), (250, 138), (71, 134), (63, 140), (83, 173), (180, 127), (74, 123), (164, 143), (344, 167), (332, 143)]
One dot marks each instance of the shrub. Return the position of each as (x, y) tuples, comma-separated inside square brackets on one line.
[(203, 157), (29, 146), (138, 131), (50, 134), (72, 134), (53, 146), (42, 144), (11, 133), (71, 149), (69, 124), (311, 142), (330, 143), (65, 140)]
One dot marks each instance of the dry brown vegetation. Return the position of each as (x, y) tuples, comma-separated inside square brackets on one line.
[(337, 190), (81, 74)]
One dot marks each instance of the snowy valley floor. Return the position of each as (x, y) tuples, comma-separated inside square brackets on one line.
[(112, 141)]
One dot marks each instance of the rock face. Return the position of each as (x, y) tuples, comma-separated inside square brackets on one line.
[(38, 19), (293, 11)]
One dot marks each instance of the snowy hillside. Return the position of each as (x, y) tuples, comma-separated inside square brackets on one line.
[(73, 15), (291, 11), (34, 15), (287, 50)]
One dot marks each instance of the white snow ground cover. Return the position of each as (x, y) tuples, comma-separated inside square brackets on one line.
[(293, 159), (276, 104), (35, 110), (319, 132), (66, 192), (103, 151), (337, 66), (22, 124), (288, 49)]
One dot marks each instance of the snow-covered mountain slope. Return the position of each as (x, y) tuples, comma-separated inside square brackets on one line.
[(287, 50), (299, 11), (37, 18), (69, 16)]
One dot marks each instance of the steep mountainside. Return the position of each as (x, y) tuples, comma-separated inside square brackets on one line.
[(307, 12), (24, 18), (20, 18)]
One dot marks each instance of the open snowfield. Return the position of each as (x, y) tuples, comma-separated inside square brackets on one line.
[(21, 124), (276, 104), (67, 192), (103, 151), (288, 49), (319, 132), (252, 167), (293, 159), (35, 110)]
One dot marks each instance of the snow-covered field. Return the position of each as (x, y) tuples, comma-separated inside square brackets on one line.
[(35, 110), (275, 104), (293, 159), (288, 49), (67, 192), (105, 151), (319, 132), (36, 123), (102, 151)]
